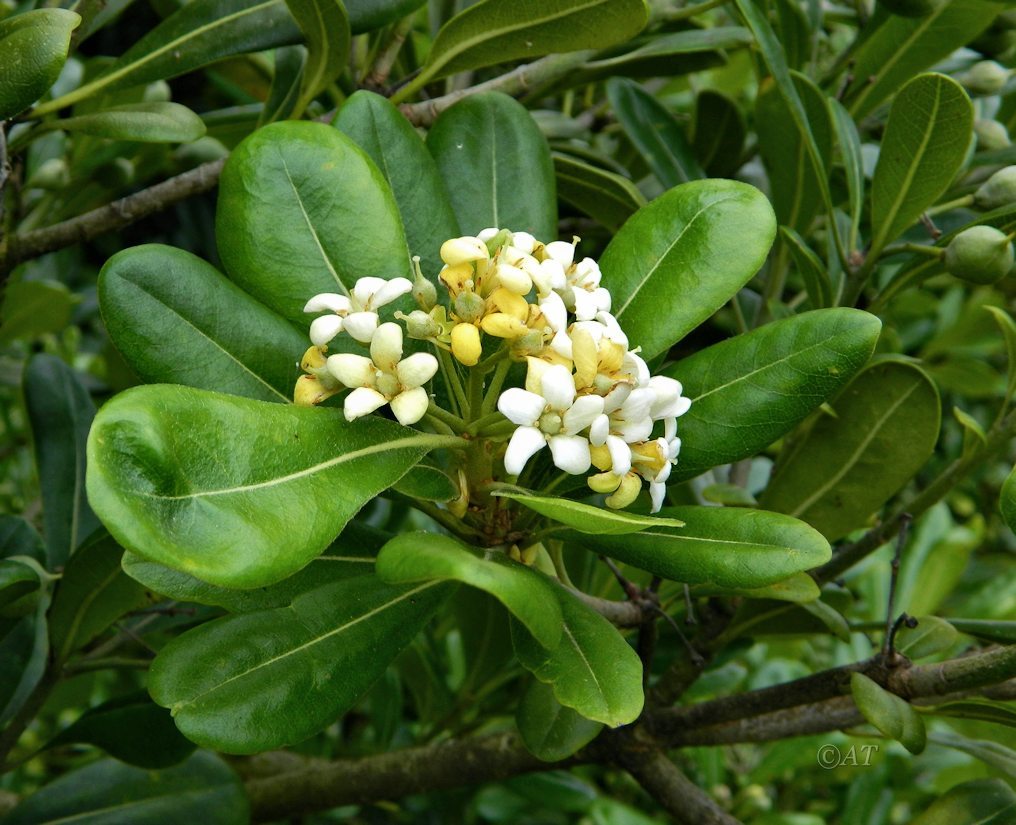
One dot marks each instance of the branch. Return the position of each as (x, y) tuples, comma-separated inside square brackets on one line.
[(115, 215)]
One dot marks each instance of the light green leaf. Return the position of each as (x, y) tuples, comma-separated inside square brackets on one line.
[(1007, 502), (33, 308), (888, 712), (813, 272), (592, 669), (849, 464), (830, 617), (325, 27), (974, 437), (496, 166), (720, 130), (177, 320), (605, 196), (400, 154), (773, 377), (849, 142), (987, 629), (979, 709), (925, 143), (901, 47), (682, 257), (798, 588), (654, 131), (528, 595), (550, 730), (236, 492), (587, 518), (991, 753), (60, 411), (247, 683), (932, 635), (670, 54), (977, 802), (427, 482), (1008, 328), (33, 49), (724, 546), (498, 31), (203, 789), (197, 34), (303, 210), (159, 122)]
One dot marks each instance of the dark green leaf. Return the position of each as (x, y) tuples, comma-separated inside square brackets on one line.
[(888, 712), (33, 49), (991, 753), (302, 210), (285, 89), (849, 142), (811, 269), (61, 411), (670, 54), (830, 617), (992, 631), (605, 196), (20, 583), (977, 802), (18, 538), (255, 681), (427, 482), (773, 377), (177, 320), (24, 652), (1008, 500), (682, 257), (325, 27), (719, 131), (550, 730), (367, 15), (587, 518), (884, 427), (158, 122), (496, 166), (202, 789), (1008, 328), (983, 711), (227, 489)]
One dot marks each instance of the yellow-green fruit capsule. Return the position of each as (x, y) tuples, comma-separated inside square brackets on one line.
[(998, 190), (991, 135), (979, 255), (985, 78)]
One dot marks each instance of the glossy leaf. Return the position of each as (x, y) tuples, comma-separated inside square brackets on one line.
[(587, 518), (197, 34), (1008, 500), (925, 143), (849, 142), (177, 320), (367, 15), (830, 617), (901, 47), (390, 141), (496, 165), (682, 257), (812, 270), (224, 488), (932, 635), (605, 196), (33, 49), (654, 131), (550, 730), (498, 31), (724, 546), (247, 683), (159, 122), (773, 377), (131, 728), (325, 27), (302, 210), (720, 132), (428, 483), (849, 464), (975, 802), (19, 588), (592, 669), (60, 411), (889, 713), (528, 595), (799, 588), (203, 789)]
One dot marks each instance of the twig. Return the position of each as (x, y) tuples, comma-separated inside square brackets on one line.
[(901, 540), (378, 73)]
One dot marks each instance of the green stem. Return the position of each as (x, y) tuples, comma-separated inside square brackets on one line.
[(484, 421), (494, 389), (438, 424), (556, 553), (452, 374), (474, 387), (690, 11), (447, 520), (916, 248), (453, 422), (958, 203)]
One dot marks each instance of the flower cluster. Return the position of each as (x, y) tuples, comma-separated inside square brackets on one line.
[(588, 395)]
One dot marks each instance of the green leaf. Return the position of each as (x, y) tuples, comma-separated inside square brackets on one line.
[(367, 15), (977, 802), (93, 593), (247, 683), (849, 141), (585, 517), (720, 130), (974, 437), (528, 595), (302, 210), (427, 482), (199, 33), (24, 651), (773, 377), (1007, 502), (654, 131), (18, 538), (987, 629), (932, 635), (796, 193), (605, 196), (901, 47), (33, 308), (496, 166), (131, 728), (60, 411), (20, 584), (284, 92), (849, 464), (811, 269), (830, 617), (888, 712), (925, 143), (228, 489), (33, 49), (592, 669), (798, 588), (159, 122), (991, 753), (1008, 328), (499, 31), (550, 730), (397, 150), (979, 709), (203, 789), (177, 320), (683, 256), (325, 27), (724, 546)]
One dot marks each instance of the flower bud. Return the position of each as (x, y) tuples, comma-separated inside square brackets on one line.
[(985, 78), (313, 359), (979, 255), (498, 240), (466, 345), (52, 174), (998, 190), (424, 292), (463, 250), (419, 325), (469, 307), (603, 482), (991, 135), (626, 493), (310, 391)]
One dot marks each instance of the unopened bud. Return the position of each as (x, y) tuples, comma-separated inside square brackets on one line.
[(419, 325), (979, 255), (51, 174), (463, 250), (603, 482), (991, 135), (985, 78), (424, 292), (626, 493), (469, 307), (466, 345), (998, 190), (497, 241)]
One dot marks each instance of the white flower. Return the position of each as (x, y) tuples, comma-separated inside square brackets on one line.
[(668, 407), (356, 313), (464, 250), (385, 378), (550, 416)]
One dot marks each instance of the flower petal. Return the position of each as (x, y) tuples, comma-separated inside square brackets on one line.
[(323, 329), (524, 242), (554, 311), (410, 406), (462, 250), (352, 370), (585, 410), (391, 290), (561, 251), (330, 301), (514, 279), (524, 444), (521, 407), (386, 346), (599, 430), (585, 305), (558, 387), (361, 325), (416, 370), (364, 290), (620, 455), (571, 453), (657, 492), (362, 401)]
